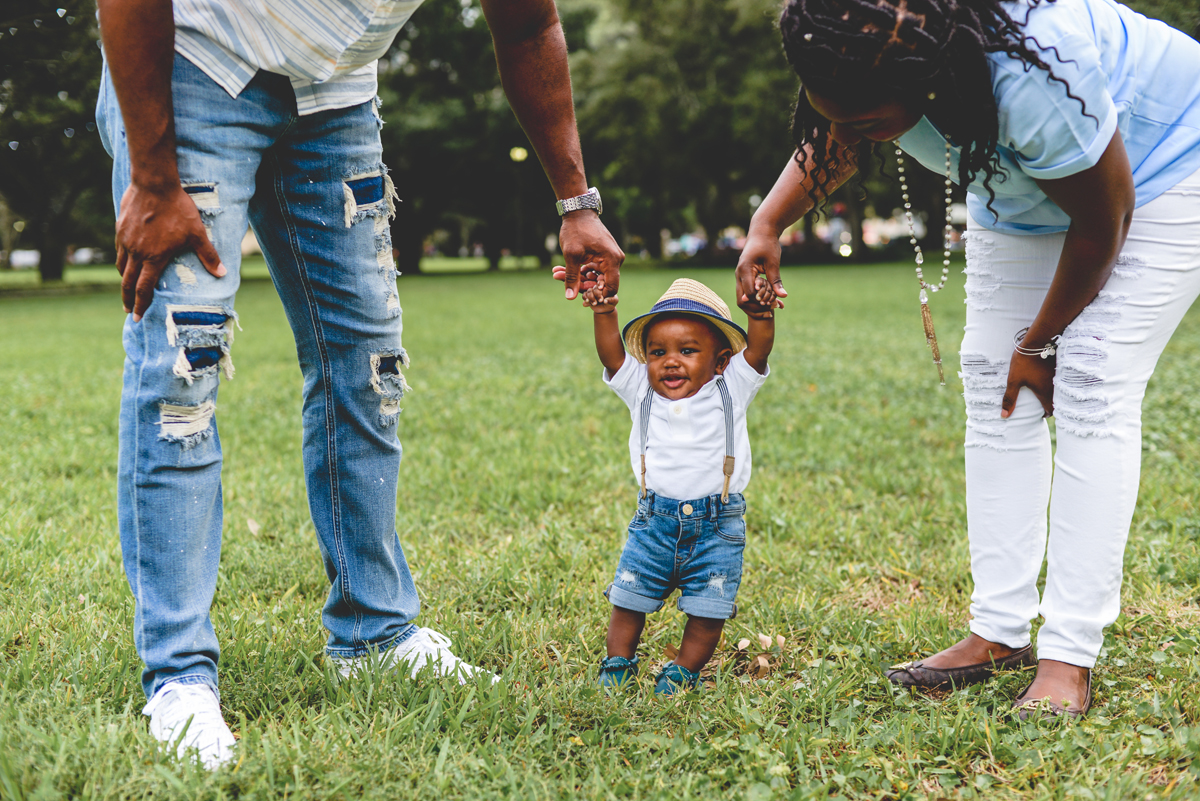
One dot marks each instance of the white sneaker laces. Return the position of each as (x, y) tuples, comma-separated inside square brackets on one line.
[(188, 716)]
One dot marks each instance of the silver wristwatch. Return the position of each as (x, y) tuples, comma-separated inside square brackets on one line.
[(588, 200)]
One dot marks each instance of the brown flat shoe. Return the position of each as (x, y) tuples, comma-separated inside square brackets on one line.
[(919, 676), (1030, 708)]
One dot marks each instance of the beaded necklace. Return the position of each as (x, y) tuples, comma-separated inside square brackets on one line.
[(926, 317)]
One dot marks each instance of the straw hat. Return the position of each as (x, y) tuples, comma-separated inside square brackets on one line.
[(688, 297)]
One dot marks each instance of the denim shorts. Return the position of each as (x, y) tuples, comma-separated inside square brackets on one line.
[(693, 545)]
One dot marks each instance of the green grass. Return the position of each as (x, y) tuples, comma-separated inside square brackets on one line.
[(253, 268), (515, 491)]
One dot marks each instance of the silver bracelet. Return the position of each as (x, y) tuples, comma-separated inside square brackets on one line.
[(1046, 351)]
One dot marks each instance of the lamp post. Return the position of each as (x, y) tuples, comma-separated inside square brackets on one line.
[(518, 155)]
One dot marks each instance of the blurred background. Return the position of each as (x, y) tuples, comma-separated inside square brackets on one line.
[(683, 106)]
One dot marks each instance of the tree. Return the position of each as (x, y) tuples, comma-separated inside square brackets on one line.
[(684, 106), (50, 152), (448, 137)]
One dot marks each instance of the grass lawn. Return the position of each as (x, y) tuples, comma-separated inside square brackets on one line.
[(253, 267), (515, 493)]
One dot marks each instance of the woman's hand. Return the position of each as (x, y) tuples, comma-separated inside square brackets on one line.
[(1033, 372), (760, 257), (1099, 201), (762, 304)]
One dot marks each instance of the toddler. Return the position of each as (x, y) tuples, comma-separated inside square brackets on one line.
[(688, 377)]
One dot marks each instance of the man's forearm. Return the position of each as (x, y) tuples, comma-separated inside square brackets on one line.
[(531, 54), (139, 47)]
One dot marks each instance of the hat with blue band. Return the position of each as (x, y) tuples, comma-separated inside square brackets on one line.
[(684, 297)]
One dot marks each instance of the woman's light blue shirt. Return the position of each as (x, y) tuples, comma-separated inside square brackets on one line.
[(1134, 74)]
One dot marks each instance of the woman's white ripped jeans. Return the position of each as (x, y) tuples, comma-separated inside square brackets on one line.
[(1105, 358)]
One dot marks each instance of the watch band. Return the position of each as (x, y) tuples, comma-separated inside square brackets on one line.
[(588, 200)]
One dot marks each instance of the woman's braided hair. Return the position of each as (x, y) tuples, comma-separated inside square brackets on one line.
[(931, 55)]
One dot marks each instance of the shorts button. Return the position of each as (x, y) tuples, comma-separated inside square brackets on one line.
[(687, 508)]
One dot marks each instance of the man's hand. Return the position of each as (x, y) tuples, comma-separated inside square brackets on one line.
[(153, 227), (588, 245), (593, 288), (157, 219), (1033, 372)]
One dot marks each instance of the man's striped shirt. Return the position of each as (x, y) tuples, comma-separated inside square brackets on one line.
[(329, 48)]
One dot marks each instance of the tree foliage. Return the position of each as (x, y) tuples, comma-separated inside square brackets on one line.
[(448, 135), (51, 158), (683, 108)]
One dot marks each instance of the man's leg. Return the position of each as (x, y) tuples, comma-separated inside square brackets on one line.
[(169, 491), (169, 463), (321, 212)]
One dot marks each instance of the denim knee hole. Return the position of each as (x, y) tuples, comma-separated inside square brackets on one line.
[(208, 202), (389, 383), (370, 193), (186, 424), (981, 283), (203, 335)]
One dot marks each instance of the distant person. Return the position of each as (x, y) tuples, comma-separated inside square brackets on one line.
[(1075, 127), (265, 113), (688, 375)]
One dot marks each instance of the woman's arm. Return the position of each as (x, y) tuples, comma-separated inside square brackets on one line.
[(1100, 203), (787, 202)]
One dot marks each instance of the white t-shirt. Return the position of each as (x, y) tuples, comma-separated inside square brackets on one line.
[(685, 446)]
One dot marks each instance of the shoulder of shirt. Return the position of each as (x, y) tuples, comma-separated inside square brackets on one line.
[(1050, 24), (631, 371), (743, 366)]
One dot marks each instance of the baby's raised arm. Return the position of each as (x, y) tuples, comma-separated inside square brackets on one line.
[(760, 328), (609, 345)]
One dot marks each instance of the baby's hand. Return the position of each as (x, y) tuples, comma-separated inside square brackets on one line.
[(761, 306), (594, 295), (598, 300)]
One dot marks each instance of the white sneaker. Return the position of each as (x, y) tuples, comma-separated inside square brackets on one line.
[(188, 716), (425, 647)]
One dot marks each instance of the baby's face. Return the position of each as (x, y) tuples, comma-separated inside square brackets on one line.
[(682, 355)]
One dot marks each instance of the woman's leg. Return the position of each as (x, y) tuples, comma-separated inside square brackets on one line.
[(1007, 461), (1105, 358)]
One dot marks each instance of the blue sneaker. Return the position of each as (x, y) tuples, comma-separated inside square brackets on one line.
[(617, 671), (675, 678)]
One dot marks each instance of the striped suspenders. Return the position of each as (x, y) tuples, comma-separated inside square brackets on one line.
[(726, 406)]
